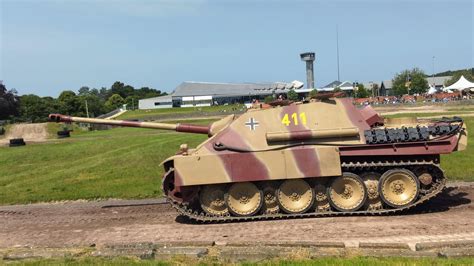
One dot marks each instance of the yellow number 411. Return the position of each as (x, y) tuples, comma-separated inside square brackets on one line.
[(296, 118)]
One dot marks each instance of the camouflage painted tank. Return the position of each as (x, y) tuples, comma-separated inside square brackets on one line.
[(323, 157)]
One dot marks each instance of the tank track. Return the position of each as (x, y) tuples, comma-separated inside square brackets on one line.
[(435, 189), (408, 134)]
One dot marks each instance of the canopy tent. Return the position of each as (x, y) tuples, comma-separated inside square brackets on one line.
[(461, 84), (432, 90)]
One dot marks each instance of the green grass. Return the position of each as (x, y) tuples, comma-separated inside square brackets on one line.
[(118, 163), (460, 165), (151, 114), (359, 261)]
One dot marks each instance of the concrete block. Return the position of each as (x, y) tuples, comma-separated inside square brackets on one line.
[(196, 243), (283, 244), (384, 252), (252, 254), (456, 252), (142, 250), (21, 254), (142, 253), (384, 245), (445, 244), (167, 253)]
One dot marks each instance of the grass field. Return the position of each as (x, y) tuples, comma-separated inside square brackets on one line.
[(118, 163), (356, 261), (121, 163)]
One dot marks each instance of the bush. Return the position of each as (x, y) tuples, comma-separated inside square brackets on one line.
[(313, 93), (269, 99)]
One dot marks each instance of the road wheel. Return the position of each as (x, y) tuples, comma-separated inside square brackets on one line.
[(347, 193), (371, 182), (212, 200), (295, 196), (270, 201), (321, 195), (399, 188), (244, 199)]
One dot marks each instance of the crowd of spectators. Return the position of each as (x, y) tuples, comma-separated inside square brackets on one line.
[(411, 99)]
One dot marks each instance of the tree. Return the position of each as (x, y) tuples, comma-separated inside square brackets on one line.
[(361, 92), (115, 101), (468, 74), (375, 89), (410, 82), (313, 93), (269, 99), (292, 95), (69, 103), (95, 106), (146, 92), (121, 89), (132, 102), (84, 90), (9, 102), (104, 94), (36, 109)]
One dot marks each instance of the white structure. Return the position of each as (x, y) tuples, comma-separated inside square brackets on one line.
[(196, 94), (345, 86), (196, 101), (156, 102), (432, 90), (461, 84)]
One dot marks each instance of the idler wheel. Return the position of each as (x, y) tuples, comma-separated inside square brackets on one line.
[(295, 196), (347, 193), (212, 200), (270, 201), (399, 188), (371, 182), (244, 199)]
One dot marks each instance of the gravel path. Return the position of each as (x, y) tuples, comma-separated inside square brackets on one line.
[(449, 216)]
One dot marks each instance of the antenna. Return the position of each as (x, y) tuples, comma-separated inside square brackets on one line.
[(337, 49)]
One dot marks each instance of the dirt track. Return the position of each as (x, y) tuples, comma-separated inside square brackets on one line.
[(29, 132), (450, 216)]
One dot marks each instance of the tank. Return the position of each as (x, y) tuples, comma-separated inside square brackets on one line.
[(324, 157)]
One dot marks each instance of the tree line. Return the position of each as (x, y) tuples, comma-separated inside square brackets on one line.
[(33, 108)]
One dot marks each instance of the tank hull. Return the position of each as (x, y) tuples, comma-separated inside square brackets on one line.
[(357, 164)]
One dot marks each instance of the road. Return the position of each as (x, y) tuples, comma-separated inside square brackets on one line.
[(449, 216)]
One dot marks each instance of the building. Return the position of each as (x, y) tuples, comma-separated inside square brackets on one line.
[(156, 102), (438, 82), (194, 94), (386, 87)]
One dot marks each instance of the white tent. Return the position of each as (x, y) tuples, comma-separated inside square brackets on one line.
[(432, 90), (461, 84)]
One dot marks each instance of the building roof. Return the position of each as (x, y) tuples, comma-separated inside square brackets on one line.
[(333, 84), (346, 85), (160, 99), (387, 84), (193, 88), (438, 80)]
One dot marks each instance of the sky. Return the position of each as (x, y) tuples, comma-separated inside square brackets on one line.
[(47, 46)]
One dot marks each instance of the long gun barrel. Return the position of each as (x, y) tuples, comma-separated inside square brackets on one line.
[(176, 127)]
